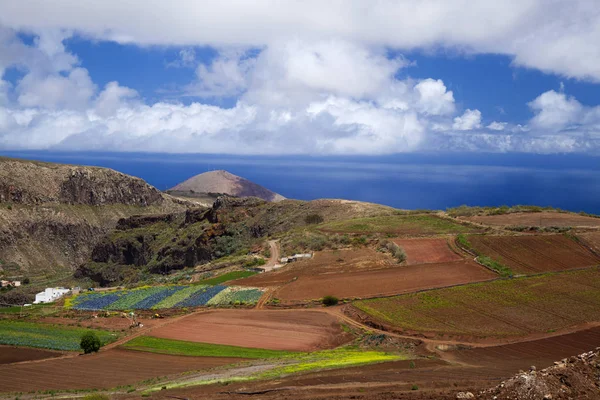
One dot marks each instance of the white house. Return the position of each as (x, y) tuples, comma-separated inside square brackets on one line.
[(50, 294)]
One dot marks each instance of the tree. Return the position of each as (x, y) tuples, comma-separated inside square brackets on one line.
[(313, 219), (330, 301), (90, 342)]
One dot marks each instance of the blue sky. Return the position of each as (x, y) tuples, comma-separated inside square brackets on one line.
[(344, 78)]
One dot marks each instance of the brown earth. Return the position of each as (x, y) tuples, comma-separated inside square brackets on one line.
[(534, 254), (422, 251), (545, 218), (383, 282), (465, 370), (295, 330), (103, 370), (9, 354)]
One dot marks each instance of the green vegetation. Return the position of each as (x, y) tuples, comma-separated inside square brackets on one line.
[(297, 363), (329, 301), (501, 308), (500, 268), (97, 396), (17, 333), (229, 276), (418, 224), (464, 242), (90, 342), (180, 347), (311, 219), (303, 241)]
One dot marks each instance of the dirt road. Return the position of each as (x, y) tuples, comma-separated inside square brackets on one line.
[(273, 262)]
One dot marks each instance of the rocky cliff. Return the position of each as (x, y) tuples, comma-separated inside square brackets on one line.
[(52, 215)]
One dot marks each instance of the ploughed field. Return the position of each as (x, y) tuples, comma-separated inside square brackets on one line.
[(10, 354), (422, 251), (106, 369), (381, 276), (591, 239), (544, 219), (295, 330), (508, 308), (533, 254)]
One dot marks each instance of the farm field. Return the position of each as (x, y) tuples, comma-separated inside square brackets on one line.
[(9, 354), (103, 370), (324, 262), (18, 333), (293, 330), (544, 219), (162, 297), (422, 251), (397, 224), (591, 239), (533, 254), (500, 309), (383, 282)]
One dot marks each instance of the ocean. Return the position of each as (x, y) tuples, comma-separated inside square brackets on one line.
[(408, 181)]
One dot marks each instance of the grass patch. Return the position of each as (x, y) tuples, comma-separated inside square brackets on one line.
[(44, 336), (229, 276), (184, 348), (396, 224), (297, 363), (500, 268)]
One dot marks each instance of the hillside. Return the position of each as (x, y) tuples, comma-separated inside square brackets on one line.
[(223, 182), (52, 215)]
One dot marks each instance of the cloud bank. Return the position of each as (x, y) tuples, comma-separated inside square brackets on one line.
[(310, 77)]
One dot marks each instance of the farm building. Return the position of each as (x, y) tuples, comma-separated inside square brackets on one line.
[(50, 294), (10, 283), (296, 257)]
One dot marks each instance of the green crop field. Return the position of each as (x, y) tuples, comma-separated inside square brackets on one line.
[(504, 308), (183, 348), (30, 334), (229, 276), (400, 224)]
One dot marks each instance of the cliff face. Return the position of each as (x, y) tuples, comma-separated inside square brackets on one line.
[(32, 183), (53, 215)]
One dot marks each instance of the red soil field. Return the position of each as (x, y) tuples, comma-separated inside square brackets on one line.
[(103, 370), (9, 354), (384, 282), (422, 251), (532, 254), (296, 330), (545, 218)]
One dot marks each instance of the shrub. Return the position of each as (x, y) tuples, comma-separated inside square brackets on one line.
[(313, 219), (329, 301), (396, 251), (26, 281), (414, 387), (97, 396), (90, 342)]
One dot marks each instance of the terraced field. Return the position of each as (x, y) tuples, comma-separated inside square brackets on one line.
[(161, 297), (397, 224), (423, 251), (503, 308), (533, 254), (591, 239), (543, 219), (18, 333), (103, 370), (296, 330)]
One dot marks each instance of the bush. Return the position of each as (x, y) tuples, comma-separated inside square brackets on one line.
[(330, 301), (26, 281), (313, 219), (97, 397), (396, 251), (90, 342)]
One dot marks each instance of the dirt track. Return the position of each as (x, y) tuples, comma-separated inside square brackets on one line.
[(297, 330)]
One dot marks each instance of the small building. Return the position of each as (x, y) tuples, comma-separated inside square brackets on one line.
[(50, 294), (296, 257), (16, 283), (4, 283)]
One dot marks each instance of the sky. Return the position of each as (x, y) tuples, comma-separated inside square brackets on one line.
[(307, 77)]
